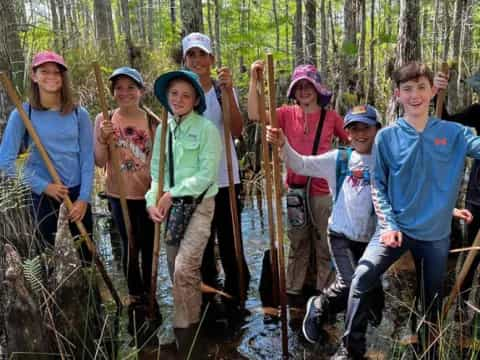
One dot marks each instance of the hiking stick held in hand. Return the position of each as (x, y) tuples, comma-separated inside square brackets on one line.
[(158, 226), (277, 175), (56, 179), (232, 197), (441, 94), (268, 185), (132, 258)]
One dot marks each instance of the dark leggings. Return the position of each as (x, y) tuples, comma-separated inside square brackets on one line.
[(138, 275), (222, 228), (45, 210)]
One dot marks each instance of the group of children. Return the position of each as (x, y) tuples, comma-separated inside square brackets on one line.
[(360, 207)]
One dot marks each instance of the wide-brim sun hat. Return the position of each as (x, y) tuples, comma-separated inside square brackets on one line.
[(310, 73), (161, 86), (128, 72), (47, 56), (365, 114)]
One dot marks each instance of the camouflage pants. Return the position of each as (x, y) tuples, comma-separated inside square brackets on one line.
[(184, 263), (308, 243)]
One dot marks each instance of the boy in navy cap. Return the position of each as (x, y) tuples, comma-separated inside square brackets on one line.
[(352, 223)]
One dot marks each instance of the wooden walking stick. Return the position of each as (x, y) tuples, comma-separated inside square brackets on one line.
[(277, 175), (463, 273), (158, 226), (441, 94), (268, 184), (56, 179), (232, 197), (132, 258)]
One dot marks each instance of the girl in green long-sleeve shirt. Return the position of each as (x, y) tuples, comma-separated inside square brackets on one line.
[(192, 158)]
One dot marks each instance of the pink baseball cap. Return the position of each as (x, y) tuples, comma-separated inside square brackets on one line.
[(310, 73), (48, 56)]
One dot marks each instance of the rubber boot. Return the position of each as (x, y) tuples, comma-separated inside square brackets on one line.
[(190, 345)]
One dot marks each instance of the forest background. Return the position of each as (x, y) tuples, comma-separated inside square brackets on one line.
[(355, 44)]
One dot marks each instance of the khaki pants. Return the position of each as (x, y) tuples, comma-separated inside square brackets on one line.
[(307, 242), (184, 263)]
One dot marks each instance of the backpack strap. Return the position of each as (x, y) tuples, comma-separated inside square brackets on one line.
[(218, 91), (343, 157)]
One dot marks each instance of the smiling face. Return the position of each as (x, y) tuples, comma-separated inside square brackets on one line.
[(126, 92), (415, 96), (182, 97), (305, 93), (199, 61), (362, 136), (48, 77)]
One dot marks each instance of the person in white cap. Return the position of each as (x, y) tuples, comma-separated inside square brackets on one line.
[(198, 57)]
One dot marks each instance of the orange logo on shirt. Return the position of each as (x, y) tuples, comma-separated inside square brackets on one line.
[(440, 141)]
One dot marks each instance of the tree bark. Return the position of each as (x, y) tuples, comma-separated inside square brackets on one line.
[(323, 39), (361, 70), (150, 24), (408, 44), (192, 16), (55, 26), (103, 24), (217, 49), (371, 77), (446, 29), (453, 101), (348, 57), (436, 17), (299, 53), (311, 32), (277, 26), (62, 24)]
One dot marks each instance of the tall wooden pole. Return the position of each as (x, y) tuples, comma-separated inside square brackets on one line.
[(277, 174), (233, 198), (268, 186), (56, 179), (132, 258), (441, 94), (158, 226)]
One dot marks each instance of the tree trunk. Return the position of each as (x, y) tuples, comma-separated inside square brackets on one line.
[(217, 33), (277, 26), (408, 44), (348, 57), (103, 24), (453, 101), (436, 17), (87, 21), (465, 55), (209, 19), (173, 14), (311, 32), (332, 29), (360, 87), (55, 26), (150, 24), (299, 54), (446, 29), (323, 39), (192, 17), (371, 72), (62, 24)]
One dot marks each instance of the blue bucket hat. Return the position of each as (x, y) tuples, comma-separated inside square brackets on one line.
[(366, 114), (129, 72), (161, 85)]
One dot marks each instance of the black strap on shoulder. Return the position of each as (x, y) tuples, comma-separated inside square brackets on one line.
[(171, 175), (218, 91), (323, 113)]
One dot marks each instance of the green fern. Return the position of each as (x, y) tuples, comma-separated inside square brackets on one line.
[(33, 272)]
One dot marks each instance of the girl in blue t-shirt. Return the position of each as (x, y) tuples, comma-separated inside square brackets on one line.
[(65, 131)]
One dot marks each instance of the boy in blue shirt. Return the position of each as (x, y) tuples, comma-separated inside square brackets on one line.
[(418, 169)]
